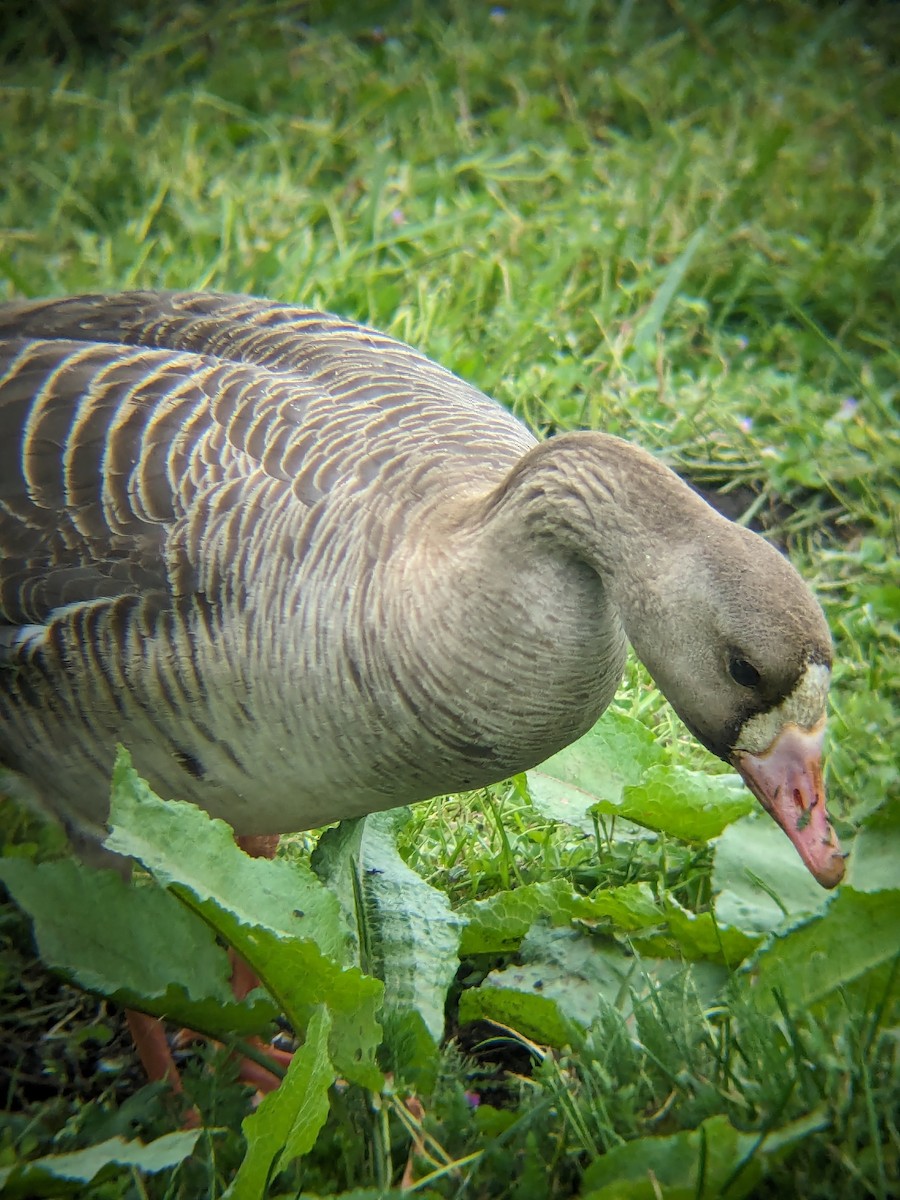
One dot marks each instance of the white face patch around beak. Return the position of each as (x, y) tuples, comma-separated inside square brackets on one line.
[(805, 707)]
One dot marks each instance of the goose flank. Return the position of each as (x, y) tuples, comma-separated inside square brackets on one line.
[(305, 573)]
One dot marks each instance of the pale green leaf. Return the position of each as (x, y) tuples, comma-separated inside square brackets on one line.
[(288, 1121), (875, 861), (406, 933), (137, 945), (612, 755), (497, 924), (412, 934), (185, 849), (699, 936), (562, 984), (335, 862), (696, 1164), (62, 1174), (690, 805), (521, 1006), (857, 933), (565, 980), (695, 937), (759, 880), (631, 907), (617, 770)]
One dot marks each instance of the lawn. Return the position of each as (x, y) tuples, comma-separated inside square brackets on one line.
[(676, 222)]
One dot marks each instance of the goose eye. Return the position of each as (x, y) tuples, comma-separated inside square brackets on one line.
[(743, 672)]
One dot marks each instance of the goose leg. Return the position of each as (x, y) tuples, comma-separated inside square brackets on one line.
[(152, 1045), (149, 1037)]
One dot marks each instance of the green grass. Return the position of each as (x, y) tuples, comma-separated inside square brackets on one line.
[(676, 222)]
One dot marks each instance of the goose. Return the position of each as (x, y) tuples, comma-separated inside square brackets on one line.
[(304, 573)]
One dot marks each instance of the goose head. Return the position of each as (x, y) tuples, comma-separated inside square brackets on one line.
[(741, 650), (726, 626)]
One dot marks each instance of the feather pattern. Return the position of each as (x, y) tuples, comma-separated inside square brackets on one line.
[(214, 516)]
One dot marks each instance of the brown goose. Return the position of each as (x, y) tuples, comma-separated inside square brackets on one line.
[(304, 573)]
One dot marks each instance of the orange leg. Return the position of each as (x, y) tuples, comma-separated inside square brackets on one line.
[(263, 846), (150, 1041), (149, 1037)]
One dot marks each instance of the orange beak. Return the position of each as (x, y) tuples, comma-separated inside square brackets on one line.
[(787, 781)]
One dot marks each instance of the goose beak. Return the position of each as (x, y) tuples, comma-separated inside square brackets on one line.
[(787, 781)]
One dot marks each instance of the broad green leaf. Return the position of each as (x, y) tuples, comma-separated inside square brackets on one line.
[(62, 1174), (759, 880), (406, 933), (335, 862), (497, 924), (137, 945), (288, 1121), (630, 907), (695, 937), (807, 963), (697, 1164), (510, 1002), (276, 914), (617, 769), (564, 982), (690, 805), (409, 934), (187, 850), (875, 861), (699, 935), (612, 755)]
